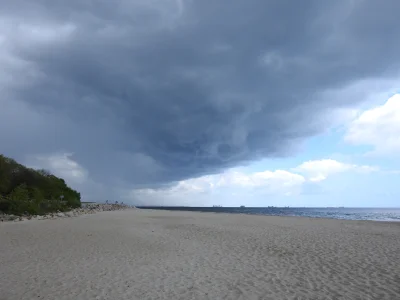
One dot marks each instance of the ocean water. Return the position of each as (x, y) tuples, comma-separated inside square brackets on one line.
[(373, 214)]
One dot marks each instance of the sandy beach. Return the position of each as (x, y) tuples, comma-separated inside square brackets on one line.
[(144, 254)]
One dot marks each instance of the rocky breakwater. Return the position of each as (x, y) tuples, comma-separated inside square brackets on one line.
[(87, 209)]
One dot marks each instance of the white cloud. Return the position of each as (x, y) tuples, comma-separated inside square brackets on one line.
[(318, 170), (259, 179), (279, 182), (233, 183), (60, 164), (378, 127)]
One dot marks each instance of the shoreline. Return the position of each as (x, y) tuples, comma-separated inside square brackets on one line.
[(153, 254), (272, 215), (87, 211)]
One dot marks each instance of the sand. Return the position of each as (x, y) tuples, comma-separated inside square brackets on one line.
[(144, 254)]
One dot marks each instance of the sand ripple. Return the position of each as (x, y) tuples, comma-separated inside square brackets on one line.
[(184, 255)]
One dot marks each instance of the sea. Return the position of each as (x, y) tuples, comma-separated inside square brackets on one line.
[(344, 213)]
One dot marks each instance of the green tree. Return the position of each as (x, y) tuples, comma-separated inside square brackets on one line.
[(19, 198), (35, 191)]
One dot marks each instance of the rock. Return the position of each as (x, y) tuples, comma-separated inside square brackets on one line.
[(10, 217), (90, 209)]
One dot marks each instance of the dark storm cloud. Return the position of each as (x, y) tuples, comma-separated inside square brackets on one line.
[(148, 92)]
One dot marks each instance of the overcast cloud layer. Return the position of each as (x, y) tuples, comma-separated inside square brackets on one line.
[(146, 92)]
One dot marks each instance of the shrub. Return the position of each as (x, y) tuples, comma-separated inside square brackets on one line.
[(25, 190)]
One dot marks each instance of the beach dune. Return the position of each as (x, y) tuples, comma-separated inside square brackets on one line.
[(148, 254)]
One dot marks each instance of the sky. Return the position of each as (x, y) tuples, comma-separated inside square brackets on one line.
[(205, 102)]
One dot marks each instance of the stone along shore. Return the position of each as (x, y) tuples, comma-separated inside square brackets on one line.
[(91, 208)]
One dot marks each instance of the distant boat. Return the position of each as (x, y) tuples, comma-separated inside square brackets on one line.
[(242, 206)]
